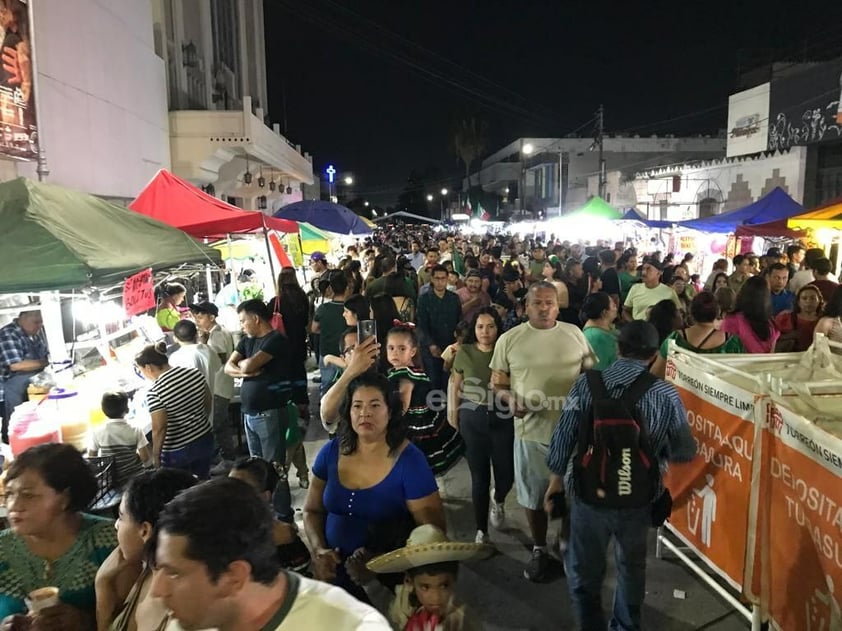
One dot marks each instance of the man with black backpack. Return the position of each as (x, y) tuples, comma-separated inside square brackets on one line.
[(619, 427)]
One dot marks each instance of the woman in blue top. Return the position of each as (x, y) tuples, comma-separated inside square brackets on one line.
[(51, 543), (369, 473)]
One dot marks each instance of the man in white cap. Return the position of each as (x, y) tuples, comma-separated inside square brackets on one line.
[(221, 342)]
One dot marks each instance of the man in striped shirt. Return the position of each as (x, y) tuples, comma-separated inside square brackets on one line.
[(591, 528), (179, 403)]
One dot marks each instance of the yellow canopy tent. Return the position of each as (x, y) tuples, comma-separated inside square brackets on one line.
[(828, 216)]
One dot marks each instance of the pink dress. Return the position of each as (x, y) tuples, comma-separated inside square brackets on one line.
[(736, 324)]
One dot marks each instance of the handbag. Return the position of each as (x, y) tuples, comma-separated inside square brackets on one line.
[(277, 321)]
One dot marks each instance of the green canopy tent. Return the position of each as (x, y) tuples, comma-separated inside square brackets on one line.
[(595, 208), (56, 238)]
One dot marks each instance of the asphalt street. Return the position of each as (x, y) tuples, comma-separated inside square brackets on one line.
[(496, 587)]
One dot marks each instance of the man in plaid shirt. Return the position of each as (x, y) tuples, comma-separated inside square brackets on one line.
[(23, 353)]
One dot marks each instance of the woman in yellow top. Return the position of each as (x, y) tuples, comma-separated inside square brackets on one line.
[(168, 315)]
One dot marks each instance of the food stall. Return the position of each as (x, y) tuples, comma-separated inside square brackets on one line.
[(69, 254), (758, 513)]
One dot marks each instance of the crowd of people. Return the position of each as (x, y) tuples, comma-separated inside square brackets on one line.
[(429, 346)]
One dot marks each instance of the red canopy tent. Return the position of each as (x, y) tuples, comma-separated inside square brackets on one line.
[(178, 203), (772, 229)]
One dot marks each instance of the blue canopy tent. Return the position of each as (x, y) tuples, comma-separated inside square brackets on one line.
[(325, 215), (632, 215), (773, 206)]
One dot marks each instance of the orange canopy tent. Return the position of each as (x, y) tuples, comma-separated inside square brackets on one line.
[(178, 203)]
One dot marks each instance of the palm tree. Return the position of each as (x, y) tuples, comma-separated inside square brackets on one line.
[(469, 140)]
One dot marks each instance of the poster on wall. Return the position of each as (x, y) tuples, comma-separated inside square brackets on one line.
[(748, 121), (804, 106), (18, 127)]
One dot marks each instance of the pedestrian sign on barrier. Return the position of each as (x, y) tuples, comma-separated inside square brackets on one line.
[(721, 418)]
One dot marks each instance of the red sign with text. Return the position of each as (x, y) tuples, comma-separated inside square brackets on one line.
[(139, 293)]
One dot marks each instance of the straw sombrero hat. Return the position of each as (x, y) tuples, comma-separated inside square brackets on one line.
[(426, 545)]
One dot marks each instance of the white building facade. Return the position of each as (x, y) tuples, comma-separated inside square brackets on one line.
[(701, 189), (560, 174), (127, 87)]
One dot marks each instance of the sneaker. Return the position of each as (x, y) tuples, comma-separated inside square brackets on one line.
[(304, 481), (482, 537), (498, 515), (536, 569)]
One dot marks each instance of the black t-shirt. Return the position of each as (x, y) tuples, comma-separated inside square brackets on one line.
[(272, 388), (610, 281)]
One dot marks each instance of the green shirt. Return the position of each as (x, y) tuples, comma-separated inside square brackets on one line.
[(732, 345), (167, 318), (331, 325), (626, 281), (604, 345), (475, 367), (73, 572)]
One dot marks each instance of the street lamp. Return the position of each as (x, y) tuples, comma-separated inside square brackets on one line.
[(528, 148), (348, 180), (429, 198), (365, 204), (444, 192)]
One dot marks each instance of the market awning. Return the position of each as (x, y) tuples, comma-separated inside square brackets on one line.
[(827, 216), (405, 216), (57, 238), (770, 230), (632, 215), (773, 206), (178, 203), (595, 208)]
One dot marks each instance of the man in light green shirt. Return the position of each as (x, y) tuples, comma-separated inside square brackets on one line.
[(533, 368), (643, 296)]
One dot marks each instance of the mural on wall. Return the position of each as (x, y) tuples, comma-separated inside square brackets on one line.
[(18, 128), (806, 107)]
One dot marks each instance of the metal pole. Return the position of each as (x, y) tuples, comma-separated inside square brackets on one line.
[(231, 269), (42, 169), (560, 168), (269, 253), (521, 186), (600, 128)]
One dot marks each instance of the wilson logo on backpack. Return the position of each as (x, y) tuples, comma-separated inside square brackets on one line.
[(614, 466)]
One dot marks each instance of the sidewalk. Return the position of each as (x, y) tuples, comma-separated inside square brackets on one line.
[(497, 590)]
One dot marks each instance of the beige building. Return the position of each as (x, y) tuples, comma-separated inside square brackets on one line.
[(127, 87), (214, 52)]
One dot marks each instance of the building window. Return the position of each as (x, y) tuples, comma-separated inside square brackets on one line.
[(225, 23), (708, 207)]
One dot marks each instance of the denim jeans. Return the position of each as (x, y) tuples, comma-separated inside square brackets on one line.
[(590, 532), (434, 367), (328, 375), (266, 438), (194, 457)]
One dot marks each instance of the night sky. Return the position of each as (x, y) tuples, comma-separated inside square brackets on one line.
[(529, 68)]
